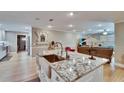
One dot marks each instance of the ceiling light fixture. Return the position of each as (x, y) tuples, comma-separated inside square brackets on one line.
[(70, 25), (104, 32), (71, 13), (49, 26)]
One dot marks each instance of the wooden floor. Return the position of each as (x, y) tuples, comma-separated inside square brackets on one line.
[(22, 67), (113, 74)]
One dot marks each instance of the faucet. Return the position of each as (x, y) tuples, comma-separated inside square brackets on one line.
[(61, 47), (67, 56)]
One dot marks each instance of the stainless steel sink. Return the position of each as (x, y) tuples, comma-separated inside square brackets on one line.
[(53, 58)]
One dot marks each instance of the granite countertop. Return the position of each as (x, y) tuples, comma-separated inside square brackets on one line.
[(78, 66)]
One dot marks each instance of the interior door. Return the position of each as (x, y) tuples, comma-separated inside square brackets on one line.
[(21, 43)]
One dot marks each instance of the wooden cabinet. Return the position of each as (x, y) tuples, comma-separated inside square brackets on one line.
[(98, 51)]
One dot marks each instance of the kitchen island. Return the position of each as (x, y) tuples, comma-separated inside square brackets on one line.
[(78, 68)]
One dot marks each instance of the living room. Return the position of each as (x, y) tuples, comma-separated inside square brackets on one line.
[(73, 30), (64, 42)]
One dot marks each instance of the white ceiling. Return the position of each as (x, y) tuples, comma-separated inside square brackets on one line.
[(82, 20)]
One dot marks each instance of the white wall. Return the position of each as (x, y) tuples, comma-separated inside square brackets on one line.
[(10, 33), (105, 40), (108, 40), (66, 38), (11, 38), (119, 42)]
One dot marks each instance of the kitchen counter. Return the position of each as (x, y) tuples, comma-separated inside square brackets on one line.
[(3, 50), (77, 67)]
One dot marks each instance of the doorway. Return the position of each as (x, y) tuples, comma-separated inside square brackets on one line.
[(21, 43)]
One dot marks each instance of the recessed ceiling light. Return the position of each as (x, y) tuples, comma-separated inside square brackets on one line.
[(70, 25), (71, 13), (49, 26)]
